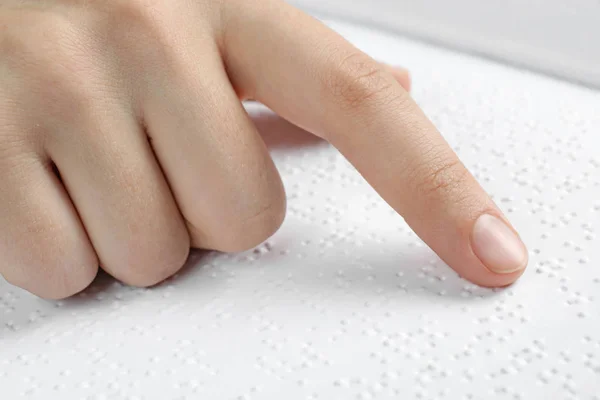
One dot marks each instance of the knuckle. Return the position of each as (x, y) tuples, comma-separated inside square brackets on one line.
[(135, 10), (137, 14), (66, 60), (441, 177), (58, 62), (145, 28), (358, 80), (54, 39)]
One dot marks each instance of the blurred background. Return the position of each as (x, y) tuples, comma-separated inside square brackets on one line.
[(557, 37)]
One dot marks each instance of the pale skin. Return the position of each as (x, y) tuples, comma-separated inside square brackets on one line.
[(124, 141)]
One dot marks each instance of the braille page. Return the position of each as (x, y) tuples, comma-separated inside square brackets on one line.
[(345, 302)]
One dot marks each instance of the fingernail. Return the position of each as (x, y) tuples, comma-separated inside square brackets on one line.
[(497, 246)]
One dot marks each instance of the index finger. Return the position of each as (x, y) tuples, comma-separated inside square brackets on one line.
[(313, 77)]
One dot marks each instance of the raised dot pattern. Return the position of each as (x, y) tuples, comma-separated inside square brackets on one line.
[(345, 302)]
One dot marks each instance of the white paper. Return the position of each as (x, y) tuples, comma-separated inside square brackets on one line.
[(345, 302)]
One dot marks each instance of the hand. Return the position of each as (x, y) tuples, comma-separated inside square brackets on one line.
[(123, 140)]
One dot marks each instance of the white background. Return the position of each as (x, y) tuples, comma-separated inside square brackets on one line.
[(345, 302), (559, 37)]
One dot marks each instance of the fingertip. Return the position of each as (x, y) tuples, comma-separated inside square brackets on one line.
[(483, 277), (496, 255)]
